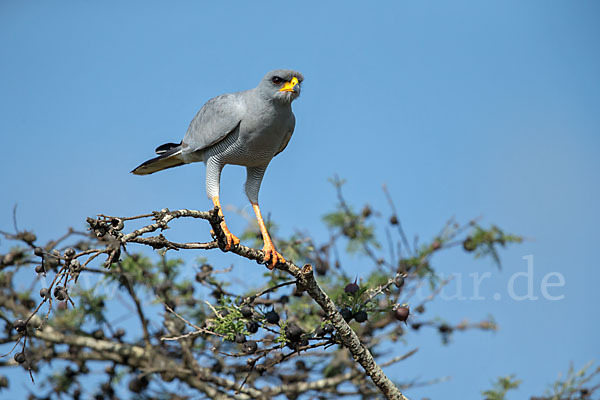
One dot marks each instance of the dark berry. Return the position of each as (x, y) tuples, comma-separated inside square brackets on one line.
[(246, 312), (320, 332), (20, 325), (69, 253), (399, 281), (200, 277), (252, 326), (249, 347), (394, 220), (293, 331), (119, 333), (40, 269), (38, 251), (240, 338), (117, 224), (321, 267), (217, 367), (272, 317), (224, 313), (20, 358), (172, 304), (301, 365), (401, 313), (136, 385), (350, 231), (45, 293), (206, 268), (360, 316), (346, 314), (98, 334), (107, 390), (328, 328), (60, 293), (52, 261), (352, 288), (284, 299), (366, 211), (469, 244), (28, 237), (3, 382), (260, 368)]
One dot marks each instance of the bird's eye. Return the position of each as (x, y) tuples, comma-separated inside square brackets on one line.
[(276, 80)]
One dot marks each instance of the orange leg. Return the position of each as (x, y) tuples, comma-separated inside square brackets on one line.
[(231, 239), (272, 257)]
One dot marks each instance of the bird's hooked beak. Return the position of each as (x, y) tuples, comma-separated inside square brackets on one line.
[(290, 86)]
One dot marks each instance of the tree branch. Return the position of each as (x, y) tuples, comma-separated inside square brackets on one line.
[(307, 280)]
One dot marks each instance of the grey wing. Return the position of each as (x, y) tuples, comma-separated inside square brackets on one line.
[(215, 120), (288, 134)]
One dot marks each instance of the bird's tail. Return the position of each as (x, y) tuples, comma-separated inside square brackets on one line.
[(169, 156)]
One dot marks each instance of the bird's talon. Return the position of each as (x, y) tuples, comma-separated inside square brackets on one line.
[(232, 240), (272, 256)]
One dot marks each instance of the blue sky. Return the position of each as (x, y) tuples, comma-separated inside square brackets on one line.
[(462, 108)]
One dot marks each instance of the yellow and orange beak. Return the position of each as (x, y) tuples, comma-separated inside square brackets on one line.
[(290, 86)]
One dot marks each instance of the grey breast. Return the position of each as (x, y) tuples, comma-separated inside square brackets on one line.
[(262, 132)]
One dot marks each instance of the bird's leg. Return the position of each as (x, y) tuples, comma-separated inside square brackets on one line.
[(272, 257), (231, 239)]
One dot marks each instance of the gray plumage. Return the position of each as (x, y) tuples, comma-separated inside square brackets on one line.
[(245, 128)]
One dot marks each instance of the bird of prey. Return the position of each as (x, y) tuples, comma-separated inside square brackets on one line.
[(246, 128)]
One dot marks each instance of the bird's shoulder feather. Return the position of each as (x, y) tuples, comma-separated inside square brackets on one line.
[(215, 120)]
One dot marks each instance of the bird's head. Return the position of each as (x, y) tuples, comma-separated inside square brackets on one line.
[(281, 85)]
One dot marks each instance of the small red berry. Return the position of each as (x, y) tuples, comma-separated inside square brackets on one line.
[(402, 313)]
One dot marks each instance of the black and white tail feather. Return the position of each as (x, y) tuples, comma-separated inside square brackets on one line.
[(169, 156)]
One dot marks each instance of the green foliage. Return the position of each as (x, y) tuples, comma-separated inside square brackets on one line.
[(484, 242), (281, 339), (572, 387), (501, 387), (228, 320), (308, 311), (356, 301), (62, 381), (353, 226), (68, 317), (298, 247), (92, 304), (390, 277), (576, 385), (274, 277), (138, 269)]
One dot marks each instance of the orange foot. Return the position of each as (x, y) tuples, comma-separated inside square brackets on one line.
[(272, 257), (232, 240)]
